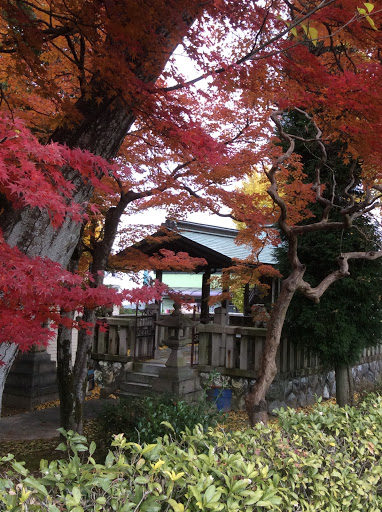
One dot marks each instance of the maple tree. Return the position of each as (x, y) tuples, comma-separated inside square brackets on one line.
[(58, 73), (84, 84), (338, 328)]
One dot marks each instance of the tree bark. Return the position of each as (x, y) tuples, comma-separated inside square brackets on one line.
[(255, 401), (80, 372), (8, 353), (65, 374), (342, 385)]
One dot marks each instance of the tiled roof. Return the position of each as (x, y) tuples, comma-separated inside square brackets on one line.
[(220, 240), (215, 244)]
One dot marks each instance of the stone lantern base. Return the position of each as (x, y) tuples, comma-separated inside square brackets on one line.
[(31, 381), (182, 381)]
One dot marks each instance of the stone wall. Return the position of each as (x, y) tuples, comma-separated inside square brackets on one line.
[(107, 374), (299, 391)]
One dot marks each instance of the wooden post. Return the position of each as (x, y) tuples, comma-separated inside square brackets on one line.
[(101, 342), (122, 349), (244, 352), (246, 306), (203, 348), (204, 309), (113, 340), (230, 351), (159, 277)]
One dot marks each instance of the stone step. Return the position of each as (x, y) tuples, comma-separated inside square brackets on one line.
[(152, 368), (134, 388), (145, 378)]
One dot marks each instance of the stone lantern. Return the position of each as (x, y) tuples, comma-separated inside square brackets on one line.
[(176, 377)]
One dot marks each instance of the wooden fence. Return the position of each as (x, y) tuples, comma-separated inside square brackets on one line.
[(232, 350), (237, 351), (125, 338)]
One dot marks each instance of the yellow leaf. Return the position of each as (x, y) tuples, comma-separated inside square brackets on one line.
[(313, 34), (157, 465), (178, 507), (371, 22), (369, 6), (173, 476)]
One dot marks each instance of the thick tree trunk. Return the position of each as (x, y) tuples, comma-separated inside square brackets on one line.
[(103, 127), (255, 401), (8, 352), (342, 385)]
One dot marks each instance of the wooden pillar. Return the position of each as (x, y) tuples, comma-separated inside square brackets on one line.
[(246, 306), (159, 277), (204, 309)]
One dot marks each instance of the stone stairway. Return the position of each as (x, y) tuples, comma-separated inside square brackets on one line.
[(141, 380)]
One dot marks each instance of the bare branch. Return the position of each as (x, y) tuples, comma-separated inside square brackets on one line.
[(271, 174), (315, 294)]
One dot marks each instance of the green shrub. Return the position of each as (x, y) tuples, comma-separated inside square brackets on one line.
[(141, 418), (329, 460)]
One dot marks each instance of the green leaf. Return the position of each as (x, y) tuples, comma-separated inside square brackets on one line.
[(92, 448), (18, 466), (62, 447), (141, 480), (109, 460), (240, 485), (76, 494), (210, 493), (32, 482), (168, 425), (81, 447), (254, 498)]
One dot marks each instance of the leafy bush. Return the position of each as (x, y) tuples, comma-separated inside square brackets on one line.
[(141, 418), (329, 460)]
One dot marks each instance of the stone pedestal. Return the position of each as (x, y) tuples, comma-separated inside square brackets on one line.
[(31, 381), (183, 382)]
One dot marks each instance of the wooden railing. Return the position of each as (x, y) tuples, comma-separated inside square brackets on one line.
[(237, 351), (125, 339), (233, 350), (114, 339)]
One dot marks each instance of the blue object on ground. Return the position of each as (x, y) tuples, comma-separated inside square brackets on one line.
[(221, 397)]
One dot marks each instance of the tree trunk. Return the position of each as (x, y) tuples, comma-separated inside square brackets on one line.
[(351, 386), (342, 385), (80, 371), (72, 379), (103, 127), (255, 401), (65, 374), (8, 352)]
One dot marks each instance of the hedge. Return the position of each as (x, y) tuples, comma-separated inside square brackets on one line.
[(328, 460)]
